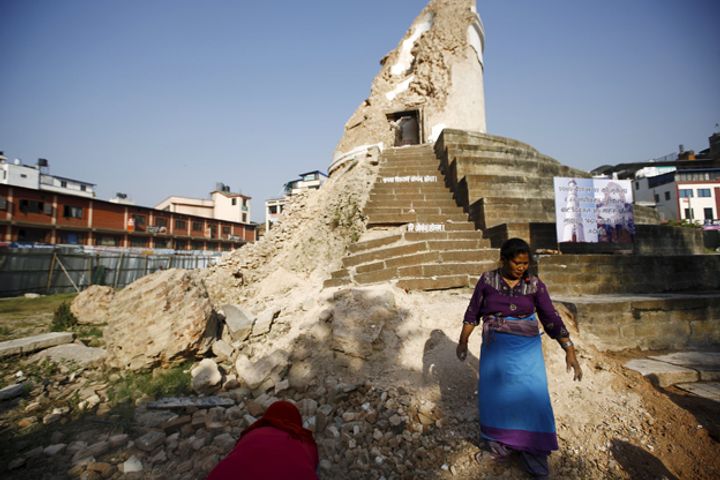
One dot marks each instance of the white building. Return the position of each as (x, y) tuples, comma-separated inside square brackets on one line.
[(699, 195), (222, 205), (690, 194), (37, 177), (274, 207)]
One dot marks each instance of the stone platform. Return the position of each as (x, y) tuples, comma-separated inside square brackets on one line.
[(654, 321)]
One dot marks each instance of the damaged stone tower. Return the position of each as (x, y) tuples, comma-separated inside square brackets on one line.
[(433, 80), (447, 194)]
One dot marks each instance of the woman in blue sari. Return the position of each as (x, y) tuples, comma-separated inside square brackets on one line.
[(513, 400)]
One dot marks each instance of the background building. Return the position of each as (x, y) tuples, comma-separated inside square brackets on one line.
[(307, 181), (38, 177), (683, 186), (222, 205)]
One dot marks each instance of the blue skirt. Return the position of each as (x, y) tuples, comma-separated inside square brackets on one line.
[(513, 397)]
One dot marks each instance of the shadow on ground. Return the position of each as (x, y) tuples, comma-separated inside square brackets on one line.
[(639, 463)]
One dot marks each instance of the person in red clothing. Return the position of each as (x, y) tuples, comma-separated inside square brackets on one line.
[(276, 447)]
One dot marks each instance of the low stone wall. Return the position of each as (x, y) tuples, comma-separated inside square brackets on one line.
[(629, 274), (711, 239), (667, 240), (538, 235), (648, 322)]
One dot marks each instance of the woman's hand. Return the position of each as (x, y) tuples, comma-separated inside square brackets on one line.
[(572, 363), (461, 351)]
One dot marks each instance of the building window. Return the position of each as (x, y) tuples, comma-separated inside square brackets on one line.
[(35, 206), (63, 183), (197, 226), (3, 203), (244, 218), (71, 238), (195, 245), (226, 230), (704, 193), (688, 213), (273, 209), (708, 213), (107, 241), (139, 221), (180, 245), (234, 201), (72, 212), (138, 242), (161, 222), (180, 224), (686, 193), (637, 185), (667, 195), (657, 198), (83, 187), (22, 175)]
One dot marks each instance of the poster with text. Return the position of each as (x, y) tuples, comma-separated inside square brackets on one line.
[(575, 210), (593, 210)]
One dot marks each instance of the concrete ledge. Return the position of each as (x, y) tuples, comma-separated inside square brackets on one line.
[(647, 322), (33, 344), (661, 373)]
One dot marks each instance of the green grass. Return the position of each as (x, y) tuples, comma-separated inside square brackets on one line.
[(158, 383), (21, 306), (21, 317)]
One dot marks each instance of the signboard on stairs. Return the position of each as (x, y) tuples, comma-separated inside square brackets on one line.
[(592, 210)]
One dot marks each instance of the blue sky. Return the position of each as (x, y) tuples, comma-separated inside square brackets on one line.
[(168, 97)]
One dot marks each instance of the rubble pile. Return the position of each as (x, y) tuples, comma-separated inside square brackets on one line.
[(314, 232)]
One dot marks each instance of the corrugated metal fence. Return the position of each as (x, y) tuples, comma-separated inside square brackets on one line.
[(67, 269)]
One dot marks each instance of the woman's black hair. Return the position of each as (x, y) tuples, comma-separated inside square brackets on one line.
[(513, 247)]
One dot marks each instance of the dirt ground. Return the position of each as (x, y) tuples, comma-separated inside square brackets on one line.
[(613, 424)]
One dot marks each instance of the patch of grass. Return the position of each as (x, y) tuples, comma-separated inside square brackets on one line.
[(21, 306), (158, 383), (63, 319), (21, 317)]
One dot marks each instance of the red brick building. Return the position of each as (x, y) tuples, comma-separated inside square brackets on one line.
[(28, 215)]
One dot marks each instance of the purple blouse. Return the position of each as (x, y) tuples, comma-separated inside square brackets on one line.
[(493, 296)]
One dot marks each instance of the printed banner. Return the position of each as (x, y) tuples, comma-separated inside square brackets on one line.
[(594, 210)]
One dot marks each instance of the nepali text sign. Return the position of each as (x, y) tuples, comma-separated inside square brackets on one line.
[(594, 210)]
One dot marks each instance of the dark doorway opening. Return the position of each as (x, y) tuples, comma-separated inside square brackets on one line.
[(407, 126)]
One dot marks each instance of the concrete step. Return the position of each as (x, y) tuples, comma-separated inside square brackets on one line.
[(389, 252), (374, 243), (445, 269), (436, 196), (394, 202), (391, 172), (418, 237), (440, 257), (402, 219), (420, 210), (437, 283), (503, 165), (336, 282), (427, 271), (642, 274), (409, 187)]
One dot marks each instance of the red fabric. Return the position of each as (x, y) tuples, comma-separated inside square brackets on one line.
[(275, 447), (286, 417)]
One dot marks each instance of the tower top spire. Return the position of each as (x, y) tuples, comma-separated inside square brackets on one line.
[(434, 76)]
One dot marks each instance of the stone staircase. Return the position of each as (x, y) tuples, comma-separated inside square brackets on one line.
[(507, 185), (434, 246)]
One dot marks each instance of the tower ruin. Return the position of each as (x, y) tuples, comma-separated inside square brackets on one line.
[(431, 81)]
